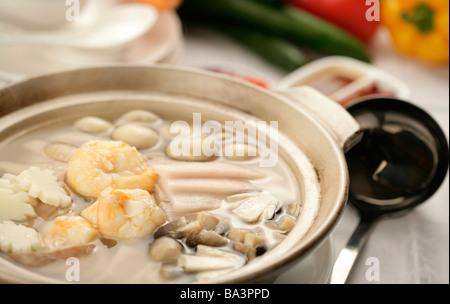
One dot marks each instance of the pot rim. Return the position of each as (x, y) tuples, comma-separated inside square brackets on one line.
[(296, 251)]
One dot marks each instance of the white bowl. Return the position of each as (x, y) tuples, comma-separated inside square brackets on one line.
[(36, 14), (364, 75)]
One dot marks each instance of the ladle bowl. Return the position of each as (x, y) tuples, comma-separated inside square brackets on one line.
[(400, 163)]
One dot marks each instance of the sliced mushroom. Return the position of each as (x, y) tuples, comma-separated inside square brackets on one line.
[(206, 237), (208, 220), (203, 250), (253, 240), (191, 228), (165, 250), (279, 236), (285, 224), (259, 205), (193, 263), (200, 263), (166, 207), (271, 209), (294, 209), (170, 271), (247, 242), (237, 235), (171, 228), (222, 227), (247, 250)]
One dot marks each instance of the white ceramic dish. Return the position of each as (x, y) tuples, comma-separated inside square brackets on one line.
[(364, 75), (36, 15), (106, 37), (162, 44)]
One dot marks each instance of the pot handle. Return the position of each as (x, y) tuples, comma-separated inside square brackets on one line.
[(344, 128)]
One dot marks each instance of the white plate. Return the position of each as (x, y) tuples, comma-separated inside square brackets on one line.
[(36, 15), (163, 43), (314, 269)]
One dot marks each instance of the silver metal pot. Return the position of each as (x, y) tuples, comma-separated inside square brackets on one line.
[(307, 122)]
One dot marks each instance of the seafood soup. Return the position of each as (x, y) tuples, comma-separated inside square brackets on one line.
[(111, 195)]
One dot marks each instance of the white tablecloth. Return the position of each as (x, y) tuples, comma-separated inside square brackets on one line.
[(411, 249)]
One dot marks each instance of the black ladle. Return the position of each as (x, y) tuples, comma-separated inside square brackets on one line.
[(400, 162)]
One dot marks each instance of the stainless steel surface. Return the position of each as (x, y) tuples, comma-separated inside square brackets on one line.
[(347, 257)]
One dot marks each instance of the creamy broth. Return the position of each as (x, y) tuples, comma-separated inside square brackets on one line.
[(128, 261)]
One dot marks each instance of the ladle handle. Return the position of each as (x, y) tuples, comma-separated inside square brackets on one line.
[(349, 254)]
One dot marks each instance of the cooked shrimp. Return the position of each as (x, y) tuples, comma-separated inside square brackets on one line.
[(128, 214), (68, 231), (98, 165)]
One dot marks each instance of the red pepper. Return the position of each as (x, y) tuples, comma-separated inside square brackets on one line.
[(350, 15)]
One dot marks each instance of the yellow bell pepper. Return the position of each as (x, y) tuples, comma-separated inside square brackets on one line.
[(419, 28)]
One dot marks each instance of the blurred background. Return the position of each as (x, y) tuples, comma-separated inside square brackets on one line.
[(396, 48)]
